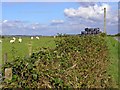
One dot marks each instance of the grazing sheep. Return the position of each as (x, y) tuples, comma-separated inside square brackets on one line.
[(14, 38), (37, 37), (20, 40), (0, 41), (54, 36), (12, 41), (31, 37)]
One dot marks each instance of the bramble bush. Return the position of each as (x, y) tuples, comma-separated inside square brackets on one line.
[(76, 62)]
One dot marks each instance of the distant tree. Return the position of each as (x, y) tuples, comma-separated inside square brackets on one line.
[(59, 34), (117, 34), (3, 36)]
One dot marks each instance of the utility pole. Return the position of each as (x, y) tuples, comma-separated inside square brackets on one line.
[(104, 20)]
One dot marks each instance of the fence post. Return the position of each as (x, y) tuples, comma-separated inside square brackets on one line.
[(5, 58), (8, 71), (30, 48)]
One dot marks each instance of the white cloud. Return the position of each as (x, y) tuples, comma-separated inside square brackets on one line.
[(5, 21), (57, 21), (86, 4), (33, 27), (91, 13), (19, 27), (23, 28)]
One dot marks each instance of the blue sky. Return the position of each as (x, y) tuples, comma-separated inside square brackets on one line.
[(35, 12), (52, 17)]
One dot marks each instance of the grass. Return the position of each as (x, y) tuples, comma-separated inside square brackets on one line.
[(113, 54), (21, 49)]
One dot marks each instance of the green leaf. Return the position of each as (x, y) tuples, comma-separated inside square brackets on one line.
[(14, 78), (30, 66), (34, 76)]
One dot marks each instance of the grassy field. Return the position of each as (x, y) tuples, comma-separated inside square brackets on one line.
[(113, 54), (21, 49)]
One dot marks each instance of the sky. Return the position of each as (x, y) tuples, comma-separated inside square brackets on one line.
[(50, 18)]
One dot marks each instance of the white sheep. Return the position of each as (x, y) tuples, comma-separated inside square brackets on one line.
[(12, 41), (20, 40), (14, 38), (0, 41), (31, 37), (37, 37), (54, 36)]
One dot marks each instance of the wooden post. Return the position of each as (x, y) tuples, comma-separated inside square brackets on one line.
[(30, 48), (5, 58), (104, 20), (8, 73)]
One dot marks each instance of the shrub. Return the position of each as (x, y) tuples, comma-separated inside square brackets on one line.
[(103, 34)]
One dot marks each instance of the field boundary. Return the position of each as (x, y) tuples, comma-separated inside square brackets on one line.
[(113, 54)]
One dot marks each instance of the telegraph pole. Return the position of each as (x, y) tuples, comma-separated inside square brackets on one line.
[(104, 20)]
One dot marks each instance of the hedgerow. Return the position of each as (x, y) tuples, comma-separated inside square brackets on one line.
[(76, 62)]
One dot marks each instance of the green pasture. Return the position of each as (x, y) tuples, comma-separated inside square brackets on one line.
[(22, 49), (113, 46)]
